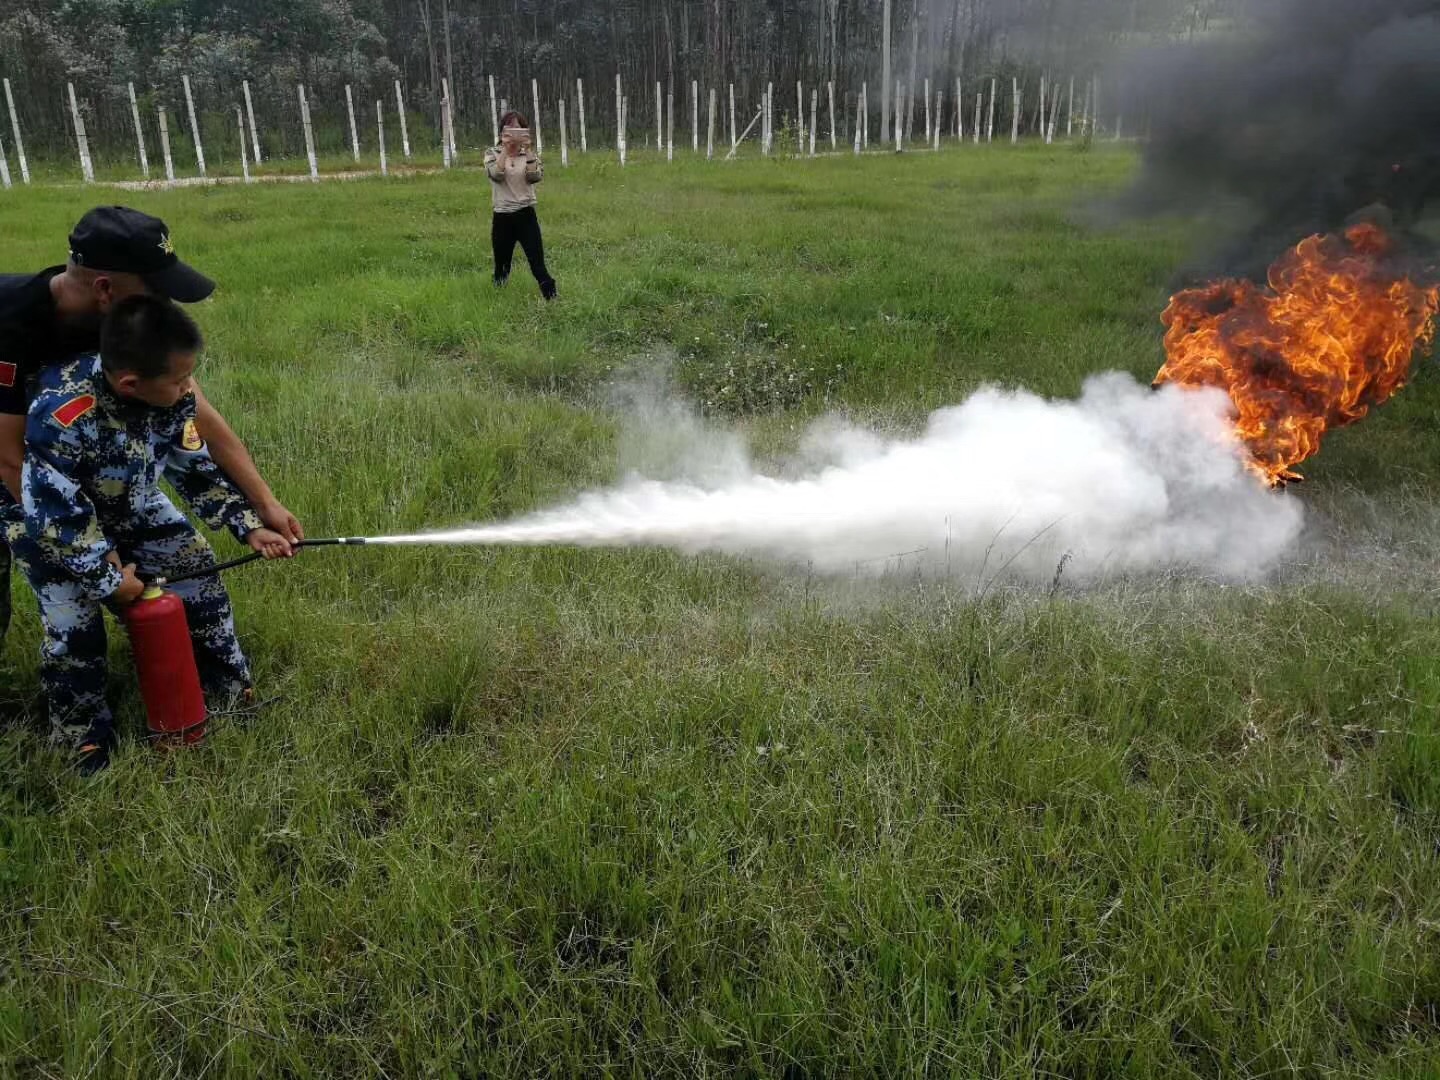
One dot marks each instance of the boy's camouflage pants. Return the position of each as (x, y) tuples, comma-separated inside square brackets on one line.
[(73, 669)]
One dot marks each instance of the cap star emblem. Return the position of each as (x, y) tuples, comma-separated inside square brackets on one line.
[(165, 245)]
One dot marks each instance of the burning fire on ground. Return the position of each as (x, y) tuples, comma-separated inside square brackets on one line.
[(1332, 335)]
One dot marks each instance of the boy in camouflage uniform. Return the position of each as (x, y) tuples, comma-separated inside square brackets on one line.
[(54, 316), (98, 438)]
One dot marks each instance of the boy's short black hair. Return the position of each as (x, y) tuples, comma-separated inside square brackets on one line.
[(141, 333)]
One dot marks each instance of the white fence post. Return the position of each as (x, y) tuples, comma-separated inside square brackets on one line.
[(380, 134), (733, 142), (619, 101), (799, 119), (927, 111), (710, 129), (814, 108), (939, 102), (564, 143), (82, 144), (444, 124), (354, 132), (670, 129), (580, 104), (244, 153), (404, 124), (164, 121), (759, 116), (769, 117), (494, 116), (194, 125), (309, 135), (535, 120), (830, 90), (452, 152), (1015, 115), (990, 120), (15, 128), (659, 118), (250, 112), (140, 133), (4, 166)]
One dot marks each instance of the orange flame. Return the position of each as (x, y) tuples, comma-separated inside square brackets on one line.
[(1332, 336)]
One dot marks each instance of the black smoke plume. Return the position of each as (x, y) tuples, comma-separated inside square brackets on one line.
[(1310, 113)]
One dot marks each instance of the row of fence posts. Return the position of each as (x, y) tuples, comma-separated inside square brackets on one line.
[(806, 134)]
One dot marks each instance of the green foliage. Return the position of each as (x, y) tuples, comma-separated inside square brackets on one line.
[(557, 812)]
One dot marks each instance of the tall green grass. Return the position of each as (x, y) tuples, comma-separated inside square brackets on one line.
[(591, 812)]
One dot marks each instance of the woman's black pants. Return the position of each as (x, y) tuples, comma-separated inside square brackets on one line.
[(520, 225)]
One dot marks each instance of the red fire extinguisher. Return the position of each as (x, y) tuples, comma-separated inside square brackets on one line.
[(165, 662), (165, 657)]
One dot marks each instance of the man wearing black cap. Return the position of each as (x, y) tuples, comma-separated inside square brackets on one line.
[(56, 314)]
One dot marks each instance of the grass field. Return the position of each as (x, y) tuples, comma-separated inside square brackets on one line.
[(563, 812)]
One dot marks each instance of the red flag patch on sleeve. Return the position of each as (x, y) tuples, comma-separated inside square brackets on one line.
[(74, 409), (8, 374)]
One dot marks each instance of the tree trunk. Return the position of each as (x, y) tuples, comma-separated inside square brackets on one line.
[(885, 77), (424, 6), (669, 53), (449, 58), (914, 55)]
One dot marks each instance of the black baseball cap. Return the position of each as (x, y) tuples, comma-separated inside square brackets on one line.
[(125, 241)]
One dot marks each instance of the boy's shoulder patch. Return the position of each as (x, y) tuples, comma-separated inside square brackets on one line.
[(190, 438), (73, 410)]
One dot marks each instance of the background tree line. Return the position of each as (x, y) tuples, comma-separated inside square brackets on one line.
[(103, 45)]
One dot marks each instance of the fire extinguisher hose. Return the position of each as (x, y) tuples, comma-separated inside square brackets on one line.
[(330, 541)]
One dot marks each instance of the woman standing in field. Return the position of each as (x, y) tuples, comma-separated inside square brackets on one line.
[(514, 170)]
